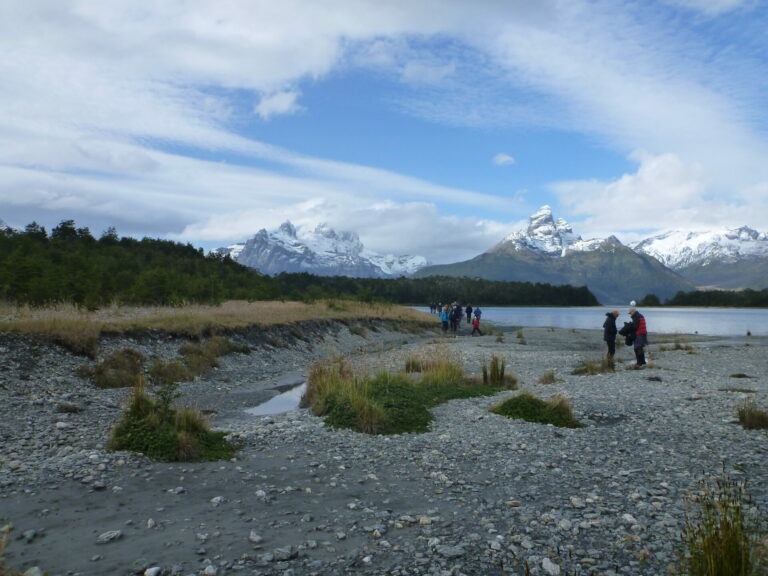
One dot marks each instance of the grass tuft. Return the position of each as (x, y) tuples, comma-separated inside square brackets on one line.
[(593, 367), (386, 403), (556, 411), (118, 370), (751, 417), (726, 535), (496, 375), (549, 377), (150, 426)]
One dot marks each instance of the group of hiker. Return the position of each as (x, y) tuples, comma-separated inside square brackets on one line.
[(452, 315), (635, 333)]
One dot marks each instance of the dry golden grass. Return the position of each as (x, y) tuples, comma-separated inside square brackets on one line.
[(80, 329)]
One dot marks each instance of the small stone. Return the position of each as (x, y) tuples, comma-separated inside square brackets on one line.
[(255, 538), (550, 567), (109, 536), (153, 571)]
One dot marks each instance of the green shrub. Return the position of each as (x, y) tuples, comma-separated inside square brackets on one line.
[(556, 411), (726, 536), (593, 367), (548, 377), (121, 369), (150, 426), (358, 330), (495, 374), (385, 403), (751, 417), (162, 372)]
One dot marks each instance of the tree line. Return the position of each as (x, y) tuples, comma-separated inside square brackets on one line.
[(70, 265)]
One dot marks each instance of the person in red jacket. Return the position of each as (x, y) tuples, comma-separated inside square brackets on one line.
[(641, 334), (476, 325)]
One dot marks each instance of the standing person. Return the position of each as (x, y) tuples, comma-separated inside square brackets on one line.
[(469, 313), (456, 314), (476, 325), (444, 319), (641, 334), (609, 331)]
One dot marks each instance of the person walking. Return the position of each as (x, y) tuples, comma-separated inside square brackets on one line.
[(476, 325), (640, 330), (469, 313), (609, 331)]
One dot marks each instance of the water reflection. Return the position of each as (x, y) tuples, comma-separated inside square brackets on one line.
[(285, 402)]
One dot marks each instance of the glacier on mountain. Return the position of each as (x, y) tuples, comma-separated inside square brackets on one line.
[(322, 251)]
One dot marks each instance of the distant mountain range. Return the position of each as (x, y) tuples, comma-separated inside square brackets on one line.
[(548, 251), (321, 251)]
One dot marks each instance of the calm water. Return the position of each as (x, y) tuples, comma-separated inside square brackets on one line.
[(706, 321)]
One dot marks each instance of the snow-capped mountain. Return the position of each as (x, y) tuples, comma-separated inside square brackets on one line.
[(680, 249), (549, 252), (321, 251), (548, 236)]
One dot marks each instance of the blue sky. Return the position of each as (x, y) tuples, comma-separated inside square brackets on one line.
[(428, 127)]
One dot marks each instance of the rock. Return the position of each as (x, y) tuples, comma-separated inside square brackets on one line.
[(109, 536), (550, 567)]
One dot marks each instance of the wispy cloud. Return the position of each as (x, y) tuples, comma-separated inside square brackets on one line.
[(146, 115)]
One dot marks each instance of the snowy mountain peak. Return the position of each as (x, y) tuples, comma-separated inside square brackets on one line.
[(678, 249), (322, 251), (545, 234)]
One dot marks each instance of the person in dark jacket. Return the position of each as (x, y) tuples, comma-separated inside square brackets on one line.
[(609, 331), (641, 334)]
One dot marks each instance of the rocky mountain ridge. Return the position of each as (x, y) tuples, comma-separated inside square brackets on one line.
[(322, 251)]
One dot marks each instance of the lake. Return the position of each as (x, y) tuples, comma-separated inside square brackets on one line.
[(706, 321)]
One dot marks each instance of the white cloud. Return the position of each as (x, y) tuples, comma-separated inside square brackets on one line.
[(664, 193), (502, 159), (276, 104)]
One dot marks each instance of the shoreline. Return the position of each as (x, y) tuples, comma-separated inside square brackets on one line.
[(477, 494)]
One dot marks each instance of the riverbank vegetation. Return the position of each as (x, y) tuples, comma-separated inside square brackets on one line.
[(556, 411), (389, 403)]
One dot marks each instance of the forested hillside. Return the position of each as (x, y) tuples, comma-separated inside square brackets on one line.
[(70, 265)]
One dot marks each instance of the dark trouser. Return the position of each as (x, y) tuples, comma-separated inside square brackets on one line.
[(476, 330), (640, 355), (611, 347)]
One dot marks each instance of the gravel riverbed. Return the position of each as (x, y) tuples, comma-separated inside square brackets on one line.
[(479, 494)]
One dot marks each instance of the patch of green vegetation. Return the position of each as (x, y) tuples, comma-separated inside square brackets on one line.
[(740, 375), (726, 535), (495, 374), (386, 403), (549, 377), (556, 411), (358, 330), (593, 367), (741, 390), (150, 426), (751, 417), (121, 369)]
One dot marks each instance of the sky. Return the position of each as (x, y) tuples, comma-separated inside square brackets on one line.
[(428, 127)]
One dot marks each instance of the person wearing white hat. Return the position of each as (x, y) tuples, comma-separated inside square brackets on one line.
[(641, 334)]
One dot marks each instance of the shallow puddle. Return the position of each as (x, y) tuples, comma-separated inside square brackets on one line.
[(285, 402)]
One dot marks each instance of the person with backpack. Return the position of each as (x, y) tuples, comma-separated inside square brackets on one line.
[(640, 331), (609, 332)]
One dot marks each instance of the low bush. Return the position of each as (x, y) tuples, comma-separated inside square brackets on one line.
[(556, 411), (150, 426), (593, 367), (751, 417), (385, 403), (548, 377), (121, 369), (358, 330), (726, 534), (495, 374)]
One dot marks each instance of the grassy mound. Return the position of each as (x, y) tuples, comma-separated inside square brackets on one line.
[(152, 427), (556, 411), (386, 403)]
